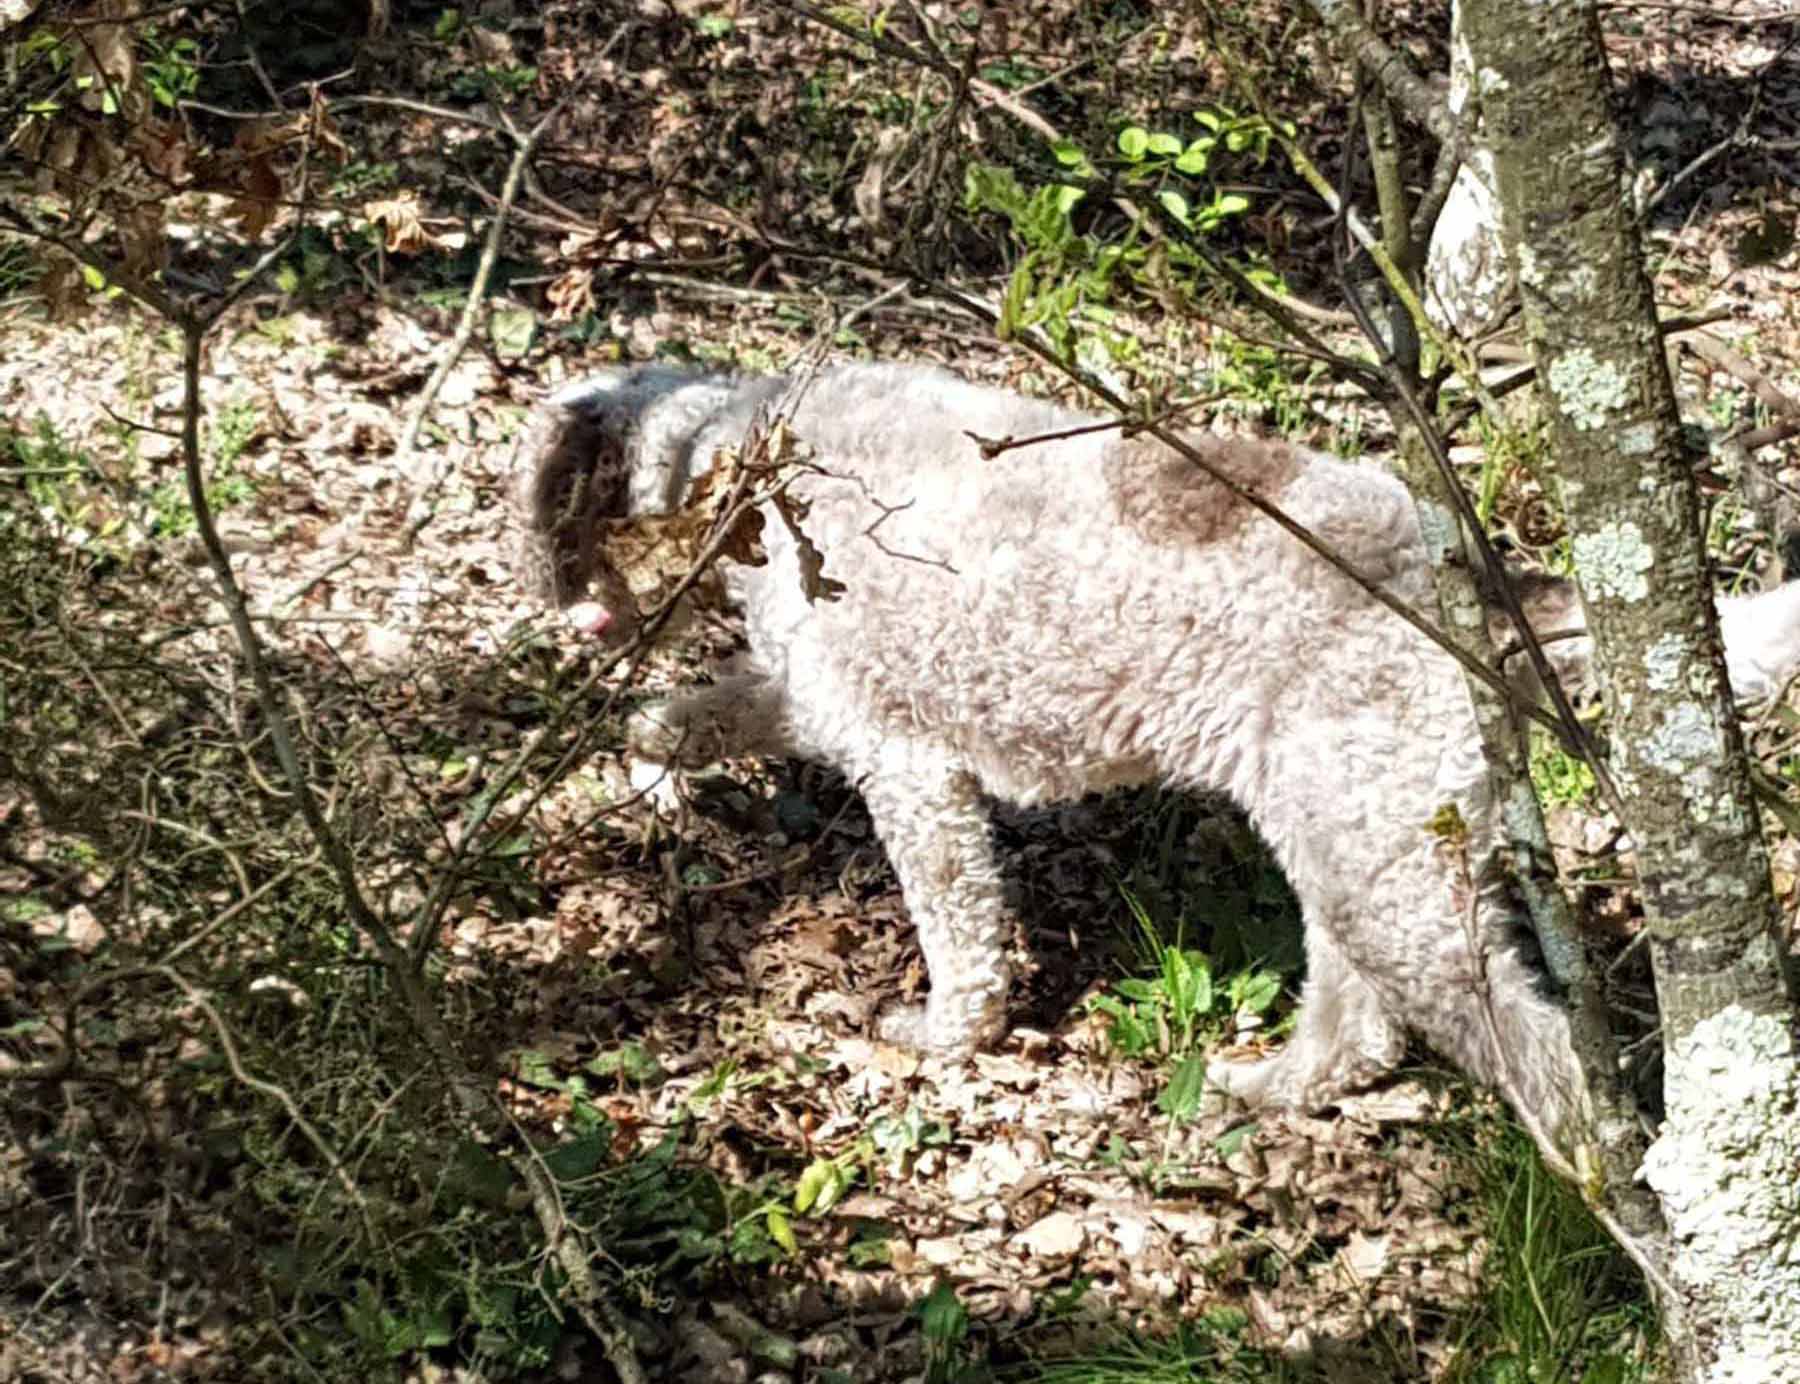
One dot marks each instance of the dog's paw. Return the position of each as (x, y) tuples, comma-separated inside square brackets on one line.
[(905, 1026), (1294, 1079), (932, 1031)]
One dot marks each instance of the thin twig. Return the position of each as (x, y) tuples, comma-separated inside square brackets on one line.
[(419, 511)]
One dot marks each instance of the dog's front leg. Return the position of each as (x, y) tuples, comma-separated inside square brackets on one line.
[(934, 824), (740, 714)]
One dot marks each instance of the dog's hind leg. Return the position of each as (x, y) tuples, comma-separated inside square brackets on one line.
[(1344, 1038), (934, 824)]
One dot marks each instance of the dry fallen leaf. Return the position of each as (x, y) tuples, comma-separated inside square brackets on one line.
[(1059, 1235)]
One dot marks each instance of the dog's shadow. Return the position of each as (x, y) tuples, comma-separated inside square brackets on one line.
[(1097, 887)]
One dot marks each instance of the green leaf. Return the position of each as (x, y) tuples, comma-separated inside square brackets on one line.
[(987, 187), (943, 1318), (1068, 153), (447, 24), (1176, 205), (1232, 1139), (1015, 303), (838, 1180), (1256, 991), (1180, 1099), (1199, 981), (781, 1230), (1193, 158), (512, 331), (629, 1061), (578, 1158), (813, 1183), (1134, 141), (1164, 144), (536, 1069), (1231, 204), (869, 1250), (1178, 981), (1211, 121)]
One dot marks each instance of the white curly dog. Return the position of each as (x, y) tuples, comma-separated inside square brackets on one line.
[(1081, 614)]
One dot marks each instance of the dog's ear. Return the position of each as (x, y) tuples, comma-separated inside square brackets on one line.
[(570, 474)]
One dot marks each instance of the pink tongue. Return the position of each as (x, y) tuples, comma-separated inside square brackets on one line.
[(589, 617)]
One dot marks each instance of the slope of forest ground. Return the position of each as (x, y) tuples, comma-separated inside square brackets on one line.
[(676, 1009)]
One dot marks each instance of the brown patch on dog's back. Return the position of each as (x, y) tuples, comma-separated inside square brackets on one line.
[(1169, 499)]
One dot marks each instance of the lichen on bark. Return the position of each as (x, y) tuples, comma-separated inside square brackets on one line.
[(1724, 1168)]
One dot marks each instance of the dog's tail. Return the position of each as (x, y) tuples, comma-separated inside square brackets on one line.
[(1761, 632), (1762, 640)]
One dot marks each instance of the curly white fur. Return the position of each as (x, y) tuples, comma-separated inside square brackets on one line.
[(1089, 613)]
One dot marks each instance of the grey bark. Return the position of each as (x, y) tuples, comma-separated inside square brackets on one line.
[(1612, 1149), (1633, 517)]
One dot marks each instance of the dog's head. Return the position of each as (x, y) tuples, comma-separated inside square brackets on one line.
[(620, 444)]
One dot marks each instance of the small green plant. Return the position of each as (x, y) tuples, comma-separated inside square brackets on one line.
[(1561, 779), (171, 516), (1012, 73), (1070, 281), (233, 426), (1153, 156), (1210, 1349), (360, 179), (1259, 378), (57, 477), (19, 267), (503, 83), (896, 1138), (171, 68), (1181, 1003), (1560, 1301), (944, 1322)]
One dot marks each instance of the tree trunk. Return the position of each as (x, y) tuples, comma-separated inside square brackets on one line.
[(1610, 1143), (1725, 1163)]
